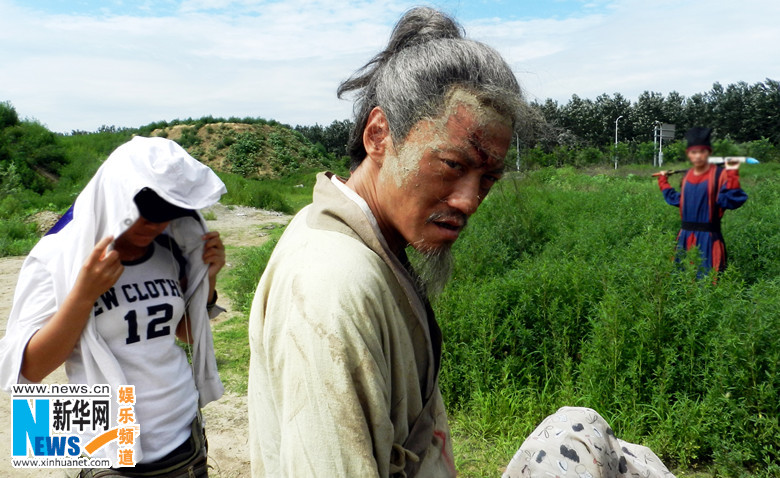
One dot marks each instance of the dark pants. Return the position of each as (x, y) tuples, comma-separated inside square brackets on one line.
[(186, 461)]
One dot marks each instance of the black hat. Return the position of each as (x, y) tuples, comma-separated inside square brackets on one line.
[(156, 209), (699, 136)]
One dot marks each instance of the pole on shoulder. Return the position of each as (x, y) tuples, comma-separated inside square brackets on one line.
[(669, 173)]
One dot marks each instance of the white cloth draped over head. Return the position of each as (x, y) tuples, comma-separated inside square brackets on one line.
[(106, 207)]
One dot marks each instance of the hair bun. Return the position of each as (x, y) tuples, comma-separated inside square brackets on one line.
[(420, 25), (417, 26)]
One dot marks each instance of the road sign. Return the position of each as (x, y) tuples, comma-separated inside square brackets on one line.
[(667, 131)]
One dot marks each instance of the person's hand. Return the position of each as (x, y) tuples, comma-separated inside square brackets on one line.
[(660, 173), (213, 253), (732, 164), (100, 271)]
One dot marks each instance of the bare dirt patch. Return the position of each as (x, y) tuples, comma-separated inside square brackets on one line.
[(226, 419), (44, 220), (242, 226)]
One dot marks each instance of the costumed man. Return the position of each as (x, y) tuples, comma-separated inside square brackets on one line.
[(707, 190), (345, 348)]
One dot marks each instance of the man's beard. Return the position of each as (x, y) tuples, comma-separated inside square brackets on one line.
[(433, 268)]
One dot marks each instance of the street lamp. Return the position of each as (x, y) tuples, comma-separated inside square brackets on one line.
[(616, 141), (616, 129)]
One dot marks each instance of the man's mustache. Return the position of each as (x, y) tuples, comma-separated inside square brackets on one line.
[(454, 218)]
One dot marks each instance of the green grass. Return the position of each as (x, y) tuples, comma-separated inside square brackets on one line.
[(231, 338), (298, 189), (231, 347), (565, 293), (478, 455), (250, 263), (287, 195), (83, 155), (254, 193)]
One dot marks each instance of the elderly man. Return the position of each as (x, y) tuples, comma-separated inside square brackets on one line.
[(343, 378), (345, 347)]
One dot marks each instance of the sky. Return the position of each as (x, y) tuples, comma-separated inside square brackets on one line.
[(82, 64)]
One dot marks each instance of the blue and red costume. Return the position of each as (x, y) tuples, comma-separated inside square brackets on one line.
[(702, 200)]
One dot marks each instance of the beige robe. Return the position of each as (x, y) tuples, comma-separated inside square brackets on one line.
[(344, 355)]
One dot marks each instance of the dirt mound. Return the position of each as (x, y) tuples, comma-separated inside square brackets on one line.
[(254, 150)]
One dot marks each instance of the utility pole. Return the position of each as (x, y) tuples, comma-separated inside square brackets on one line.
[(656, 123), (616, 139)]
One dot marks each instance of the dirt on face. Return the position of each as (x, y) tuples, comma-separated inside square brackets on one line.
[(403, 163)]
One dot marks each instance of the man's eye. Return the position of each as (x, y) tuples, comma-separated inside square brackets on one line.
[(489, 180), (453, 164)]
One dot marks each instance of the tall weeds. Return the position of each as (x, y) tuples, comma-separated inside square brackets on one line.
[(565, 293)]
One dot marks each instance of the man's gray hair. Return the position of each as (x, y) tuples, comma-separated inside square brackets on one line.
[(426, 57)]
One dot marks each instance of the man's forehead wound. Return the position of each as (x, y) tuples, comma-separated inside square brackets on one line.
[(471, 116), (484, 157), (475, 138), (487, 159), (460, 100)]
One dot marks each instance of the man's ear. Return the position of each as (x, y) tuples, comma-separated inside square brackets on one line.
[(376, 136)]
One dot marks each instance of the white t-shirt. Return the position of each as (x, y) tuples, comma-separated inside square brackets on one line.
[(137, 318)]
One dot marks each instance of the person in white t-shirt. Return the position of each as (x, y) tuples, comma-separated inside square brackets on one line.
[(130, 268)]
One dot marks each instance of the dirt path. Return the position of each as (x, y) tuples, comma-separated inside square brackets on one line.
[(226, 419)]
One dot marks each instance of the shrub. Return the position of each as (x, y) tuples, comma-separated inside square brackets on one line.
[(8, 115), (536, 157), (189, 137), (724, 147), (675, 152), (243, 153), (590, 156), (16, 237), (762, 149), (35, 153), (645, 152)]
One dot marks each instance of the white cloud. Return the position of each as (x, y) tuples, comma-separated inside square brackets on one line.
[(283, 62), (637, 46), (284, 59)]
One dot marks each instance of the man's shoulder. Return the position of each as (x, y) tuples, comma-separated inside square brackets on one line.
[(327, 254), (320, 270)]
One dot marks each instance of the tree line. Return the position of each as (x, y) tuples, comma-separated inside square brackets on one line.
[(739, 112), (745, 119)]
